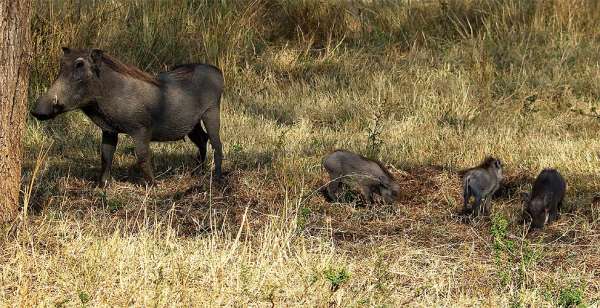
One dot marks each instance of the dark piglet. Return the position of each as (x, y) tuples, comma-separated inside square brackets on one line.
[(546, 198), (370, 176), (122, 99), (481, 183)]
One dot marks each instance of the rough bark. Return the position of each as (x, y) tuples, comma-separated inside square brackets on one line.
[(14, 78)]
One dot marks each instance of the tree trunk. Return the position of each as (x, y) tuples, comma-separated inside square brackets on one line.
[(14, 78)]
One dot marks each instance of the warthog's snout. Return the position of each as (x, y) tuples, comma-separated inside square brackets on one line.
[(40, 116), (45, 109)]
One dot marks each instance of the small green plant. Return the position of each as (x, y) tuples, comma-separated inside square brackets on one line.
[(363, 302), (336, 277), (516, 301), (499, 231), (113, 204), (374, 140), (503, 247), (513, 258), (281, 142), (83, 297), (236, 148), (571, 297)]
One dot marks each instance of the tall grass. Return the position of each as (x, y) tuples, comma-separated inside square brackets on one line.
[(429, 87)]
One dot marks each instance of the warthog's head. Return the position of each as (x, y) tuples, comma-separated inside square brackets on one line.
[(76, 86), (494, 166), (389, 190), (537, 212)]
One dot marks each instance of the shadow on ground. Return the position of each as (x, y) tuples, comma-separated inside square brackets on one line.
[(193, 203)]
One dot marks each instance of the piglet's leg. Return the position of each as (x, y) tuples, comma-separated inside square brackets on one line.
[(367, 192), (333, 189), (477, 206), (553, 214)]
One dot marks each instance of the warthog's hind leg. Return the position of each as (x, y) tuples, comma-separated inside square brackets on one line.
[(212, 122), (200, 138)]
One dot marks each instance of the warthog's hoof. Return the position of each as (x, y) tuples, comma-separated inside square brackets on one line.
[(103, 182), (148, 181)]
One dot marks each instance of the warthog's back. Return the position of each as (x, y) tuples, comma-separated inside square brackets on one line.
[(188, 92), (482, 181), (194, 76), (343, 163), (549, 181)]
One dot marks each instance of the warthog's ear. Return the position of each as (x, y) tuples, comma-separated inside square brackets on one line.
[(386, 182), (525, 196), (66, 50), (498, 164), (96, 55)]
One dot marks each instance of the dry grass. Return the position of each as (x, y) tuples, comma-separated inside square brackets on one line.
[(429, 88)]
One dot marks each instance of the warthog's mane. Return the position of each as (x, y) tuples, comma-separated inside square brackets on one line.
[(384, 169), (182, 71), (129, 70), (179, 72), (487, 162)]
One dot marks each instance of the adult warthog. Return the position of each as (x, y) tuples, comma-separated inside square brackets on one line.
[(121, 99)]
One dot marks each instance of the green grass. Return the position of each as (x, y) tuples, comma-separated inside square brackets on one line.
[(428, 87)]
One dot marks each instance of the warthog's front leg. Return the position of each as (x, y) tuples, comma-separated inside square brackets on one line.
[(466, 197), (144, 156), (107, 150), (487, 205), (553, 214), (367, 191), (332, 190), (477, 206)]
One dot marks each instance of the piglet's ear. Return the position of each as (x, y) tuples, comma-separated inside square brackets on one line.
[(96, 55), (66, 50)]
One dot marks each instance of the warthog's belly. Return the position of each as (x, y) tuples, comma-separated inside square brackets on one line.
[(171, 132), (176, 116)]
